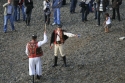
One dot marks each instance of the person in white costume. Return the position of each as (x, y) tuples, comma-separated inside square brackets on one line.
[(34, 52)]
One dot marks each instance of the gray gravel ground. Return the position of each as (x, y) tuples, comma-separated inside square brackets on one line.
[(95, 57)]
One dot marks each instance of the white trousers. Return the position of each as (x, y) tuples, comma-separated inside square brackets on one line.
[(59, 47), (35, 66)]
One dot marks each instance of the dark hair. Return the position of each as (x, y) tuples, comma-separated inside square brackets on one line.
[(107, 14), (34, 37)]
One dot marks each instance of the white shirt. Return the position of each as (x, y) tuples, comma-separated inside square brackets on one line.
[(65, 33), (86, 1), (108, 21), (45, 5), (40, 43)]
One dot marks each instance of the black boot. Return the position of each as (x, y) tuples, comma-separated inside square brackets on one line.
[(38, 77), (55, 61), (28, 23), (64, 59)]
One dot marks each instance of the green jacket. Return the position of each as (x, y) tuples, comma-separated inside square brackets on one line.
[(5, 6)]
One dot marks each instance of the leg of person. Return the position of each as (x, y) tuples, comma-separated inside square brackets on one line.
[(48, 18), (26, 19), (64, 2), (74, 5), (12, 23), (71, 6), (45, 18), (95, 11), (23, 12), (113, 15), (58, 16), (83, 17), (5, 23), (56, 47), (87, 12), (15, 13), (29, 17), (98, 17), (18, 13), (55, 16), (118, 14), (61, 49), (38, 67), (31, 66)]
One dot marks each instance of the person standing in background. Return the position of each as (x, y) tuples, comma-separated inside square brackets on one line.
[(8, 14), (47, 11), (73, 6), (15, 4), (56, 5), (101, 8), (22, 8), (29, 7), (116, 5)]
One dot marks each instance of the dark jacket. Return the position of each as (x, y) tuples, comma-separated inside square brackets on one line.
[(53, 37), (105, 2), (29, 5), (115, 3), (15, 2)]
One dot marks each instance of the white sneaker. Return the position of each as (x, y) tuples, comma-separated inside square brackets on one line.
[(53, 23)]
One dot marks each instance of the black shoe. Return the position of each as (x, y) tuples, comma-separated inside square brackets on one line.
[(54, 65), (5, 32), (14, 30), (38, 77), (95, 18), (86, 20), (113, 18)]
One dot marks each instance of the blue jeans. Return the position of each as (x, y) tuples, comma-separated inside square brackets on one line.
[(73, 5), (6, 17), (15, 13), (57, 15), (23, 12)]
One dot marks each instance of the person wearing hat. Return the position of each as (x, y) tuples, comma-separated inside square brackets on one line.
[(58, 38), (34, 52)]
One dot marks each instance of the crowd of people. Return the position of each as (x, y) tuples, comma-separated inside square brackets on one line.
[(98, 7), (58, 37), (12, 12)]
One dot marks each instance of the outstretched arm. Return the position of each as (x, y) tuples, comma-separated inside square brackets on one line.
[(70, 34)]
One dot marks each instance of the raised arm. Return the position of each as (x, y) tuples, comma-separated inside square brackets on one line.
[(44, 40), (5, 4)]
